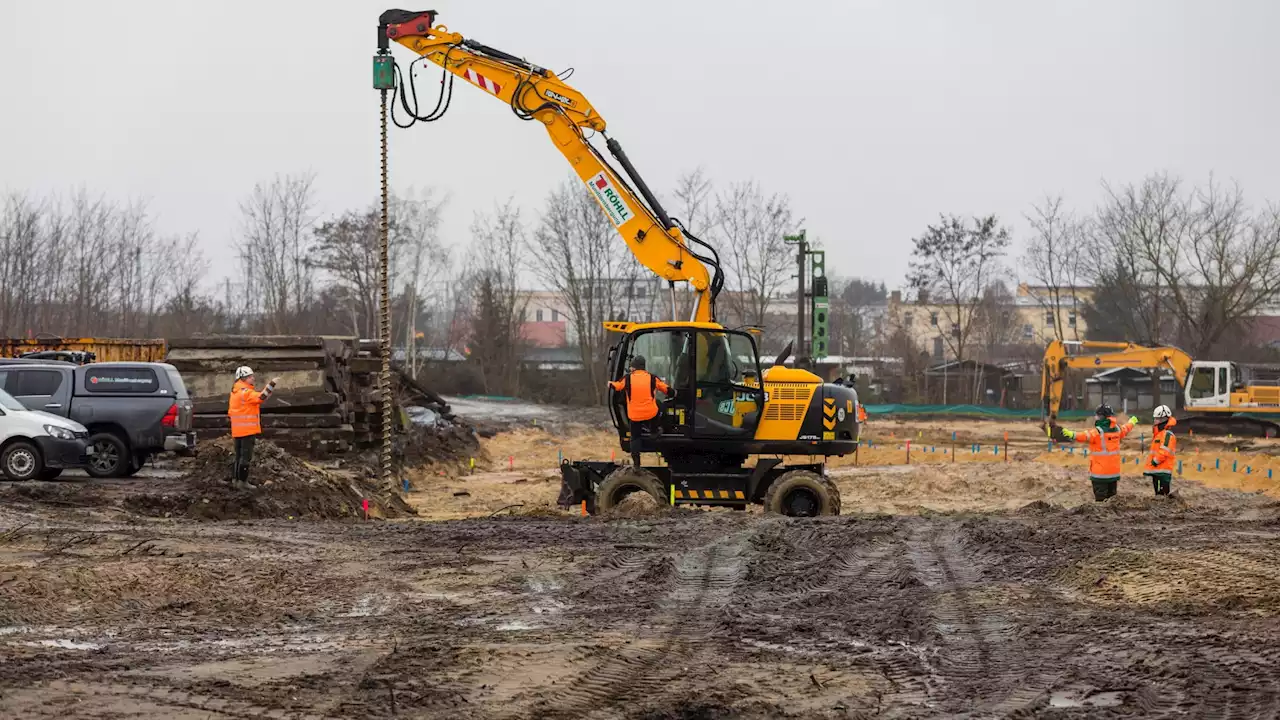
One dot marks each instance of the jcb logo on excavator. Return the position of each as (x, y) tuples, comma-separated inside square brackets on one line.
[(614, 206), (558, 97)]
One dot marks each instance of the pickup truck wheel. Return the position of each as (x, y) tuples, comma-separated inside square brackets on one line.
[(110, 456), (136, 462), (21, 461)]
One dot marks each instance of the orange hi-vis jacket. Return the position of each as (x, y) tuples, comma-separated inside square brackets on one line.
[(1104, 449), (1163, 447), (862, 413), (244, 406), (640, 387)]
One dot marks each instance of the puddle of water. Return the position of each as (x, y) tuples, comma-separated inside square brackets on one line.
[(542, 585), (367, 606), (517, 625), (1075, 697), (64, 644)]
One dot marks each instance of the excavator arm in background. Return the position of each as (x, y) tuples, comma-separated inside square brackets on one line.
[(658, 241), (1060, 356)]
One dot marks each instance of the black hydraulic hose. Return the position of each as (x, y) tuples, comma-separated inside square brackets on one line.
[(615, 149), (497, 54)]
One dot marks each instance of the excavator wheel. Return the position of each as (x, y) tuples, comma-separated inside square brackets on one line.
[(801, 493), (624, 481)]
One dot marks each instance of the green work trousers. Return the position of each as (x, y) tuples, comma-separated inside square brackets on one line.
[(1160, 481), (1103, 488)]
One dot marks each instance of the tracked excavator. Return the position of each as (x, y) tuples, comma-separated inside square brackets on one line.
[(1218, 397), (724, 411)]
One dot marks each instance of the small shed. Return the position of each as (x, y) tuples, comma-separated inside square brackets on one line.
[(1129, 391), (955, 382)]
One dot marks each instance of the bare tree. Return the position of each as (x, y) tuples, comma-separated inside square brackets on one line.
[(1138, 239), (953, 263), (1055, 262), (275, 247), (497, 256), (347, 249), (852, 314), (695, 207), (417, 221), (1230, 267), (750, 229), (576, 253)]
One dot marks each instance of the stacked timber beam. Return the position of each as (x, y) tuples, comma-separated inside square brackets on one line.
[(326, 401)]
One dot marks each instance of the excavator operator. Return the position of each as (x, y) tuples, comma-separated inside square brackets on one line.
[(1104, 449), (642, 406)]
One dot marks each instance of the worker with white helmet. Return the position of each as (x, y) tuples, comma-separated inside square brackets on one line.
[(1164, 445), (246, 425)]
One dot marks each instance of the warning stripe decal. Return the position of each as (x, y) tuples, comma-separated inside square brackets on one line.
[(482, 81)]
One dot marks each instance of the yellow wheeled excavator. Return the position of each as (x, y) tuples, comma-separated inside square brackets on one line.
[(723, 408), (1218, 396)]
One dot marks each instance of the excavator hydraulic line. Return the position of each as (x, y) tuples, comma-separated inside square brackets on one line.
[(615, 149)]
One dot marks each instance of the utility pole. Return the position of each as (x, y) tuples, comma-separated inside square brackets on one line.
[(801, 251)]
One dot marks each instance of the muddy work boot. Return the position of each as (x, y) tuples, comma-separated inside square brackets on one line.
[(1161, 483), (1103, 489)]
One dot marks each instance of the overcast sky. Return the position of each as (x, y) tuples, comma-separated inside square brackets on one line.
[(873, 116)]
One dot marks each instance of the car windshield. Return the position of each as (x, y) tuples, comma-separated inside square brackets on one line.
[(8, 403)]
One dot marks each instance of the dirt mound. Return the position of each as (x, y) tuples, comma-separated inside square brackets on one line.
[(636, 505), (1180, 580), (284, 487), (435, 443)]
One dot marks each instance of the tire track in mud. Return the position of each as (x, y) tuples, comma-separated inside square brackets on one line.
[(978, 661), (704, 581), (163, 697)]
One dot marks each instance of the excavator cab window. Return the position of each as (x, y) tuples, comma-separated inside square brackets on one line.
[(668, 354), (727, 396)]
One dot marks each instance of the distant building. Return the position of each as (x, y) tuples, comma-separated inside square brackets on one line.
[(1026, 318), (548, 318)]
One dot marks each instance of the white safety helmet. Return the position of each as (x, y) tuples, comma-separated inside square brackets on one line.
[(1162, 413), (243, 372)]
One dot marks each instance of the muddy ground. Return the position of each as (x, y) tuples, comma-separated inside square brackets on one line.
[(964, 590)]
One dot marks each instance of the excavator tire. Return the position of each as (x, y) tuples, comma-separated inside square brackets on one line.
[(624, 481), (801, 493)]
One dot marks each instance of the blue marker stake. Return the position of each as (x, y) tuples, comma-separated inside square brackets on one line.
[(1199, 467), (1179, 467), (406, 484), (1217, 463), (1233, 465)]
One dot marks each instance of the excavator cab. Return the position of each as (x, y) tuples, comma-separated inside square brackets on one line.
[(713, 375)]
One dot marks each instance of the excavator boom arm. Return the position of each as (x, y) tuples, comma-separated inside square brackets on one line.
[(535, 92), (1058, 358)]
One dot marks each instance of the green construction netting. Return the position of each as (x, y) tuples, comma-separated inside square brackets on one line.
[(972, 410)]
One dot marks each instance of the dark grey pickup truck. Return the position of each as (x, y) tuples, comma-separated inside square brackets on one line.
[(133, 410)]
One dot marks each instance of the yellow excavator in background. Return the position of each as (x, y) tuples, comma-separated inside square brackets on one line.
[(1217, 395), (722, 409)]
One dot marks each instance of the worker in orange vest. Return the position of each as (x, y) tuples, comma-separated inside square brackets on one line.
[(642, 405), (1104, 449), (1163, 447), (243, 408)]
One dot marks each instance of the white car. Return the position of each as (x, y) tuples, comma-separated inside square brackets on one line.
[(36, 445)]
